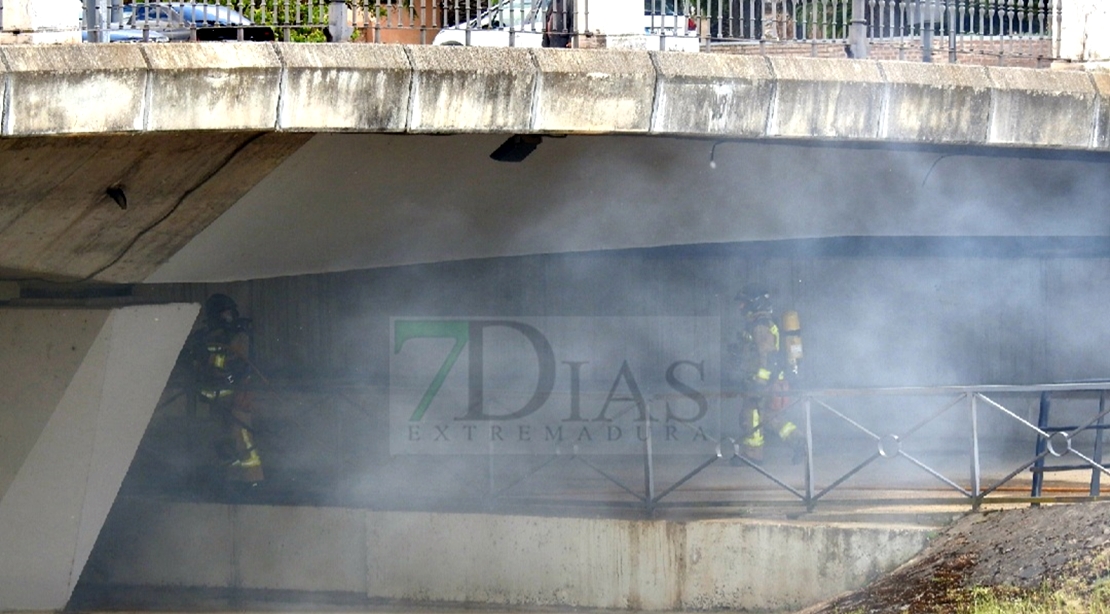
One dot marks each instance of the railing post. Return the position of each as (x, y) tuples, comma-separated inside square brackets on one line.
[(975, 469), (649, 466), (1042, 443), (857, 32), (952, 26), (808, 409), (94, 22), (339, 28), (1096, 475), (926, 16)]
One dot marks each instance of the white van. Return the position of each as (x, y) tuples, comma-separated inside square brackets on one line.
[(519, 23)]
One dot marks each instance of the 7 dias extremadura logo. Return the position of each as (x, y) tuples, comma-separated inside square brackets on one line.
[(534, 385)]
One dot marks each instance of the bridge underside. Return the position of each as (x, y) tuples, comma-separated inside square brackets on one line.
[(231, 206)]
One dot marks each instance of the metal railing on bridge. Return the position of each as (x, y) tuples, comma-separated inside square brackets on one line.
[(977, 31), (953, 446), (960, 447)]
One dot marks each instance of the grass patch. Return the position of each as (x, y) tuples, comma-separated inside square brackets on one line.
[(1008, 600)]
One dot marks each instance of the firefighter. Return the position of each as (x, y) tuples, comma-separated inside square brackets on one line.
[(220, 353), (759, 377)]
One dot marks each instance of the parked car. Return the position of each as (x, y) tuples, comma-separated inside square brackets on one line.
[(210, 22), (117, 32), (510, 23), (519, 23), (129, 35)]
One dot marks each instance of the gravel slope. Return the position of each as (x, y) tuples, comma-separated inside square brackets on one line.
[(1064, 548)]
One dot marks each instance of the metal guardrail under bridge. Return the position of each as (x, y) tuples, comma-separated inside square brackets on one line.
[(866, 441), (978, 31), (962, 447)]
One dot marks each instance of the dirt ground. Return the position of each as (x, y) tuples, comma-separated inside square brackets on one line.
[(1063, 549)]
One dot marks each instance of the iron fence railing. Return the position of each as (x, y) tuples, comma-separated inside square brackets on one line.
[(894, 28), (962, 447)]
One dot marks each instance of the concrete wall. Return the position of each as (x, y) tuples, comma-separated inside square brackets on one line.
[(487, 559), (78, 390), (370, 88)]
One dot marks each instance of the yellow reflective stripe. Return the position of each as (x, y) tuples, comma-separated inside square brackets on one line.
[(763, 374), (787, 430), (755, 439)]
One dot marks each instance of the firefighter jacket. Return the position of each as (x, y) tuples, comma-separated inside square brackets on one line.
[(220, 358), (756, 356)]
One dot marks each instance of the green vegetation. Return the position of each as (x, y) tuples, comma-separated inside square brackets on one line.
[(291, 17), (1003, 600)]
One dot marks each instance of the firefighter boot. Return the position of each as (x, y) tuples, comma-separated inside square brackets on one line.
[(752, 448), (247, 468)]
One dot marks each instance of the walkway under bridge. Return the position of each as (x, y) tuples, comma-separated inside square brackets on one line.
[(957, 448)]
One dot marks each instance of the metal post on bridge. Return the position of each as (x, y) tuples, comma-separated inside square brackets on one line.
[(339, 23), (857, 31), (952, 26), (976, 470), (94, 22), (927, 33), (649, 467), (930, 14)]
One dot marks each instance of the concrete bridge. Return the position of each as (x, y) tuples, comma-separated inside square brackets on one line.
[(146, 165)]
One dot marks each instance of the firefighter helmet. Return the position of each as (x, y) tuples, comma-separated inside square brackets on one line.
[(754, 299), (218, 304)]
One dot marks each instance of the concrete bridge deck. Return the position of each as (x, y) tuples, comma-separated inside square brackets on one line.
[(189, 131)]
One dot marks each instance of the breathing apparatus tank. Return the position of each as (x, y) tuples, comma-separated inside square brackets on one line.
[(792, 340)]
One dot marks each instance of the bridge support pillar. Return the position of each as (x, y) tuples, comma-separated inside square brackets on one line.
[(77, 389)]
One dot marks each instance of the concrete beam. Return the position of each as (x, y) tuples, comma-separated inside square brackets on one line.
[(74, 82), (939, 103), (78, 388), (221, 86), (1102, 126), (722, 95), (1055, 108), (593, 91), (470, 89), (822, 98), (424, 89), (344, 87)]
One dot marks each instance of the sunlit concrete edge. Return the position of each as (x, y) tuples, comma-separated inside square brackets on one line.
[(418, 89)]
